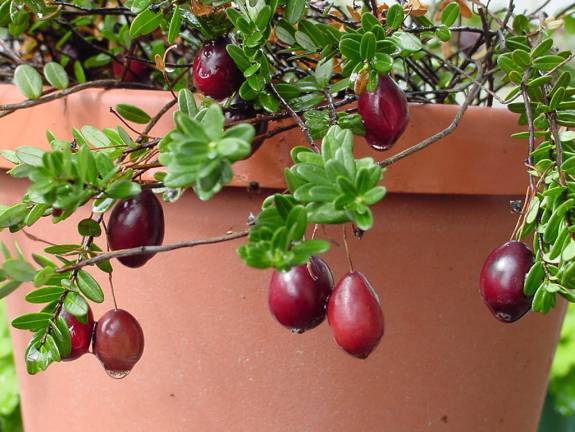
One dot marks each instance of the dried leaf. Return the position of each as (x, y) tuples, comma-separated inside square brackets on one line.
[(199, 9), (415, 8), (360, 82)]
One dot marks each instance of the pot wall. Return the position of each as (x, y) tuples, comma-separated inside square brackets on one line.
[(479, 157), (215, 360)]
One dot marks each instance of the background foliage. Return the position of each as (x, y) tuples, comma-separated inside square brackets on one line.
[(9, 401)]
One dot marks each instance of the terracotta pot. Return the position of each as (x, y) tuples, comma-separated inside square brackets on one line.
[(215, 360)]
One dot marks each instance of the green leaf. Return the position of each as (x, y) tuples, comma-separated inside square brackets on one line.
[(39, 357), (133, 113), (45, 295), (443, 33), (350, 49), (75, 304), (374, 195), (62, 249), (450, 14), (547, 62), (95, 136), (363, 220), (43, 276), (36, 213), (542, 47), (187, 103), (407, 42), (382, 62), (238, 56), (394, 16), (32, 321), (62, 337), (543, 300), (305, 41), (89, 228), (13, 215), (79, 72), (367, 46), (144, 23), (175, 23), (19, 270), (8, 288), (89, 287), (122, 189), (30, 156), (533, 279), (311, 247), (28, 80), (56, 75), (294, 10)]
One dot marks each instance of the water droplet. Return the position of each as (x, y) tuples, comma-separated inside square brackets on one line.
[(117, 374), (504, 316)]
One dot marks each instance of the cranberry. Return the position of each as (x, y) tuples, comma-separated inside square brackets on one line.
[(297, 298), (215, 73), (80, 334), (118, 342), (384, 112), (502, 278), (136, 70), (355, 316), (136, 222)]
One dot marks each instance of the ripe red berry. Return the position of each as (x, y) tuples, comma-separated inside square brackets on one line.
[(502, 278), (135, 70), (215, 73), (136, 222), (297, 298), (80, 334), (384, 112), (118, 342), (355, 316)]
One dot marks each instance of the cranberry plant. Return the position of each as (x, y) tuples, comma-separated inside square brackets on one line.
[(239, 75)]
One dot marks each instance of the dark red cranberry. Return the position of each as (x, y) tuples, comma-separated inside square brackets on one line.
[(355, 316), (80, 334), (118, 342), (297, 298), (502, 278), (215, 73), (136, 222), (136, 70), (384, 112)]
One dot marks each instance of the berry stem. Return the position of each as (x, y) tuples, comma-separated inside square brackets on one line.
[(347, 252)]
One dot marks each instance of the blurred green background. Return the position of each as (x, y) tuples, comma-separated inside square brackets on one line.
[(9, 402), (558, 414)]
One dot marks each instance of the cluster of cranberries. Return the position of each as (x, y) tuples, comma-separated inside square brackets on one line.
[(301, 297), (502, 279), (117, 338)]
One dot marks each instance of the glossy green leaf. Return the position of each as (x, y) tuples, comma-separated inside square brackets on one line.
[(89, 287), (145, 22)]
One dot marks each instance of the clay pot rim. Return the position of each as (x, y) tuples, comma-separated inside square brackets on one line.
[(485, 150)]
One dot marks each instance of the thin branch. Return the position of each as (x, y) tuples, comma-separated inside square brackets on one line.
[(151, 250), (296, 118), (103, 83), (158, 116), (438, 136)]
